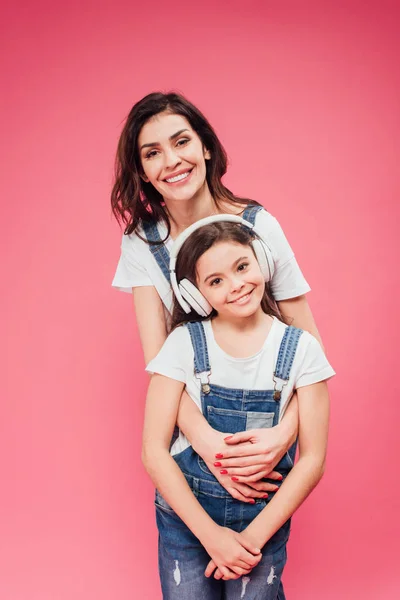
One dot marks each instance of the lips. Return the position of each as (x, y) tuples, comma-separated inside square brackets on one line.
[(242, 299), (178, 176)]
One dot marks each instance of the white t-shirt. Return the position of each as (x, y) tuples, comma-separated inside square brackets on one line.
[(137, 266), (176, 361)]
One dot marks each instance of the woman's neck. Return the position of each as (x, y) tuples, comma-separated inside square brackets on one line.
[(184, 213)]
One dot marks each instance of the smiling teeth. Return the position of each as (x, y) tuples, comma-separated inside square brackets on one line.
[(242, 299), (178, 177)]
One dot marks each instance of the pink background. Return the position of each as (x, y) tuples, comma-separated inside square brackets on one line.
[(305, 97)]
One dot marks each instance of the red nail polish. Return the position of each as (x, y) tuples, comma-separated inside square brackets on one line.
[(217, 464), (252, 501), (265, 496), (224, 472), (219, 456), (280, 477), (234, 479), (228, 437), (276, 488)]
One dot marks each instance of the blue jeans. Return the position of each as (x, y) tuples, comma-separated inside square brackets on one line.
[(182, 559)]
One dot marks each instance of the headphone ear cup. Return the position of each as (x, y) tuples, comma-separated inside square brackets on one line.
[(194, 298), (264, 258)]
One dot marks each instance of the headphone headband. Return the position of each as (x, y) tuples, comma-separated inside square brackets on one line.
[(182, 237)]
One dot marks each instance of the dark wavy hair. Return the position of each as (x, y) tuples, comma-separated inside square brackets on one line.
[(194, 247), (132, 199)]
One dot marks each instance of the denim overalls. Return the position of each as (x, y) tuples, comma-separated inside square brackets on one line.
[(182, 559)]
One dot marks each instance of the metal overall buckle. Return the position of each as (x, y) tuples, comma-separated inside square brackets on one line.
[(205, 381), (278, 387)]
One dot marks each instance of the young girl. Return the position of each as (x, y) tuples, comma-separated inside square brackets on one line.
[(168, 175), (240, 365)]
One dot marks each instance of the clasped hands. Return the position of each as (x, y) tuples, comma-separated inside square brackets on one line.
[(240, 462)]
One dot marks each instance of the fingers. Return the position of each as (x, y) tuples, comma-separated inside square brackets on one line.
[(257, 478), (210, 568), (238, 438), (245, 449), (275, 476), (235, 493), (250, 493), (245, 461), (244, 471), (252, 549)]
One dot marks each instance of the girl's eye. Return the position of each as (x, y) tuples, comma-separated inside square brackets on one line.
[(243, 266), (216, 281)]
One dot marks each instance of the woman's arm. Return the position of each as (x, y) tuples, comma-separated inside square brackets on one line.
[(297, 312), (233, 555), (205, 440), (267, 446), (307, 472)]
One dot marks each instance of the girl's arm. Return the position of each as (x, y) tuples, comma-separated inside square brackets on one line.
[(233, 555), (307, 472), (205, 440)]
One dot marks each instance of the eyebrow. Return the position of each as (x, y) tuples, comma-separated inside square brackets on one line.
[(171, 137), (234, 265)]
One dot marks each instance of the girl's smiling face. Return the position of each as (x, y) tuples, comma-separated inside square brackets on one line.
[(172, 157), (229, 277)]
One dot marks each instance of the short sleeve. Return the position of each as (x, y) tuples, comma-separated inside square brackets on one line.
[(288, 280), (314, 365), (131, 271), (175, 359)]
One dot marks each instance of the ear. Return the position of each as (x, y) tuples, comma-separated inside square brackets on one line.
[(207, 154), (144, 177)]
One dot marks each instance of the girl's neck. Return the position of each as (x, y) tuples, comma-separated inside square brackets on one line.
[(244, 337), (241, 324)]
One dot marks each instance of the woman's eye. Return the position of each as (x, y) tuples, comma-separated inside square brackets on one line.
[(243, 266), (151, 154), (182, 142), (216, 281)]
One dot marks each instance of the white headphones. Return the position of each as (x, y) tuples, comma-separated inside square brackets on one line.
[(187, 294)]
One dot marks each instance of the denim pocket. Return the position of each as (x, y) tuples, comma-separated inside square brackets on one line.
[(161, 503), (233, 421)]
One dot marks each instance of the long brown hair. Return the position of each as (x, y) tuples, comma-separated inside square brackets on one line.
[(132, 199), (194, 247)]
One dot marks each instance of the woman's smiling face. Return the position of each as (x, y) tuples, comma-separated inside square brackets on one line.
[(173, 157)]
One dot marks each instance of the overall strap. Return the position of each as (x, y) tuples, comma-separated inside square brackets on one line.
[(157, 248), (250, 213), (285, 359), (202, 367)]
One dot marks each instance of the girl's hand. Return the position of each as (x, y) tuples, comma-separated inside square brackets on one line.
[(231, 553), (212, 567), (253, 454), (213, 443)]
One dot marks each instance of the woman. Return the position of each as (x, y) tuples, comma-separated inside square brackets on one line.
[(169, 170)]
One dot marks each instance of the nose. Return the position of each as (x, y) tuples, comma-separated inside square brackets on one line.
[(172, 159), (236, 284)]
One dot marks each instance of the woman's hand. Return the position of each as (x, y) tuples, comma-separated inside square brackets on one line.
[(212, 443), (253, 454), (232, 554)]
